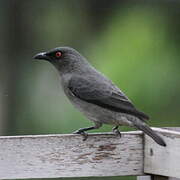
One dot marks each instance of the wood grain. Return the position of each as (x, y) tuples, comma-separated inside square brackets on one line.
[(103, 154), (163, 161), (53, 156)]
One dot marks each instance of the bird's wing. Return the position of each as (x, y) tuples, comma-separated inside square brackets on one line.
[(103, 94)]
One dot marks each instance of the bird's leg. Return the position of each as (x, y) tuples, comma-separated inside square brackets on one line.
[(83, 133), (116, 131)]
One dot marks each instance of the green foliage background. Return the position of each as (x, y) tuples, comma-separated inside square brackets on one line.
[(134, 44)]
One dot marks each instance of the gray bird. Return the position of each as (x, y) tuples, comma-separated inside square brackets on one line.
[(95, 95)]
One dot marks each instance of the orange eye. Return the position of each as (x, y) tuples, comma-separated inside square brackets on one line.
[(58, 54)]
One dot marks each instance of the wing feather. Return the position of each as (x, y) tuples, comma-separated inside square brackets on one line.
[(103, 94)]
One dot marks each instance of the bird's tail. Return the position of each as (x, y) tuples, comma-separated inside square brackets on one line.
[(147, 130)]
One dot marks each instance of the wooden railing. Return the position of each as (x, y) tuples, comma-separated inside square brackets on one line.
[(102, 154)]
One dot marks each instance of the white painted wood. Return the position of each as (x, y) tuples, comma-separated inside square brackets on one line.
[(53, 156), (144, 178), (173, 128), (163, 161)]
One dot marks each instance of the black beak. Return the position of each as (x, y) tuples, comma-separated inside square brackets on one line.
[(41, 56)]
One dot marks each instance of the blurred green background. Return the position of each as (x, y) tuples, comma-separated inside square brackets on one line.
[(135, 43)]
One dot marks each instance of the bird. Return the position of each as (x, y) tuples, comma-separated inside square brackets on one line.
[(93, 94)]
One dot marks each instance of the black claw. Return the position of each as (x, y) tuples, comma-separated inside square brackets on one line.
[(116, 131), (85, 135), (76, 132)]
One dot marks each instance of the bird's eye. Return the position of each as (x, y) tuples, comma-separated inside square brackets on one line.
[(58, 54)]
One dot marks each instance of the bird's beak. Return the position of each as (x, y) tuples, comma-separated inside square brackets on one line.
[(41, 56)]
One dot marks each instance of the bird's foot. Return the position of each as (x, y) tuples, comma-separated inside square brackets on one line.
[(84, 134), (116, 131)]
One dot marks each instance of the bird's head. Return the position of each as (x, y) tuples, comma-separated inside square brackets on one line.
[(63, 58)]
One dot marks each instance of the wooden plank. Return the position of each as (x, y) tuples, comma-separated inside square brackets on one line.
[(173, 128), (163, 161), (144, 178), (53, 156)]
